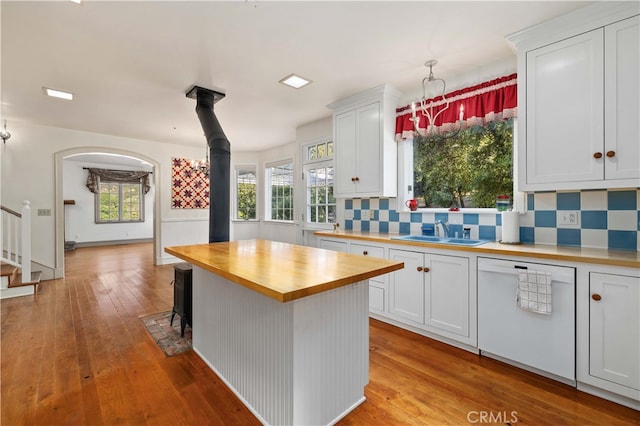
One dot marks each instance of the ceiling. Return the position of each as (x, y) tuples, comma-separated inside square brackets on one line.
[(129, 64)]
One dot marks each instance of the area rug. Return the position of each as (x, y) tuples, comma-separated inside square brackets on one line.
[(167, 337)]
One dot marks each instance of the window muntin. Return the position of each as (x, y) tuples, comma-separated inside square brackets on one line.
[(465, 171), (320, 202), (119, 202), (280, 189), (246, 193), (319, 151)]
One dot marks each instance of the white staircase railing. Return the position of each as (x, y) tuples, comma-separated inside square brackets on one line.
[(15, 237)]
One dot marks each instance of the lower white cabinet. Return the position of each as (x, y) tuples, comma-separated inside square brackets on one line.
[(433, 292), (377, 285), (614, 334)]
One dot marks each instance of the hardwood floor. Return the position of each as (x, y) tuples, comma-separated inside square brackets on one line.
[(77, 354)]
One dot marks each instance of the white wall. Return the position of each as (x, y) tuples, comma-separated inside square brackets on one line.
[(80, 225), (28, 173)]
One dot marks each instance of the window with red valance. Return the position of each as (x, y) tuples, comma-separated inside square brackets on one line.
[(489, 101)]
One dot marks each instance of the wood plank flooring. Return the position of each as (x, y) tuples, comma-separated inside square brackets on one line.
[(77, 354)]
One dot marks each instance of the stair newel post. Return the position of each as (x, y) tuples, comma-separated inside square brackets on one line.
[(26, 241)]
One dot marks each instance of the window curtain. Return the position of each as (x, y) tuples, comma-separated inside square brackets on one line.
[(124, 176), (492, 100)]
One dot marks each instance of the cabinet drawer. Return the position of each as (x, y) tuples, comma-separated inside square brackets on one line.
[(367, 250)]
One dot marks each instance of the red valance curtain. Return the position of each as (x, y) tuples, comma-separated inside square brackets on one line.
[(489, 101)]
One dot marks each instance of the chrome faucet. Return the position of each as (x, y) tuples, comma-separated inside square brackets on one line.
[(442, 228)]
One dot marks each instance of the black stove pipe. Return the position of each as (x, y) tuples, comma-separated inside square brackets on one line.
[(219, 160)]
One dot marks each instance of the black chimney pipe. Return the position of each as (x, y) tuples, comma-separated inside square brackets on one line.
[(219, 160)]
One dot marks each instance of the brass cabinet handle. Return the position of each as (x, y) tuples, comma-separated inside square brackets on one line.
[(365, 252), (419, 268), (596, 297), (597, 155), (611, 154), (426, 269)]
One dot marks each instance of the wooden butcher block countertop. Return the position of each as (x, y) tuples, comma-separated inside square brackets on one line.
[(282, 271)]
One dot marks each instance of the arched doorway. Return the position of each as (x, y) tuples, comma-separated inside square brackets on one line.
[(59, 197)]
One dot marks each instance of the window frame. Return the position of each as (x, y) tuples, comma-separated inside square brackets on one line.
[(406, 183), (120, 185), (315, 163), (238, 168), (268, 167)]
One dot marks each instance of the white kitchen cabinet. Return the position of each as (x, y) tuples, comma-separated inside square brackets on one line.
[(614, 338), (578, 107), (622, 100), (365, 149), (433, 292), (377, 285), (406, 286)]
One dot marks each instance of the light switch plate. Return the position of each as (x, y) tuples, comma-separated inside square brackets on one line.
[(568, 219), (44, 212)]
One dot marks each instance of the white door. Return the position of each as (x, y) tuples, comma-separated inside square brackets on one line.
[(564, 111), (406, 286), (447, 294), (622, 91), (614, 340)]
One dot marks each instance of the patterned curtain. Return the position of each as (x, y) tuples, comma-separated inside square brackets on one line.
[(125, 176), (492, 100)]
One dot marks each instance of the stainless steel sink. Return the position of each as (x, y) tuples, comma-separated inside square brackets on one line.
[(430, 239)]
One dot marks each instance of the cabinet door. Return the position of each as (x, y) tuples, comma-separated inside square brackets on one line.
[(369, 167), (564, 110), (447, 294), (345, 158), (333, 245), (622, 91), (406, 286), (614, 336)]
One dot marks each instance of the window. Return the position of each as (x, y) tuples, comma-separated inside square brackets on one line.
[(469, 170), (318, 175), (246, 186), (279, 178), (119, 202)]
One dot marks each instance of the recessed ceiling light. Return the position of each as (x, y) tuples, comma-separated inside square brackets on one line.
[(295, 81), (58, 94)]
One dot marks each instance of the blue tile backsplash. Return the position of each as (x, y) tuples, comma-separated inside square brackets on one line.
[(607, 219)]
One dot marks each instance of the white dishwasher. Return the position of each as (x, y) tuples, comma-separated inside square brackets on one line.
[(543, 343)]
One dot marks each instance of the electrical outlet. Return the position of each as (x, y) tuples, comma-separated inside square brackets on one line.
[(348, 214), (568, 218), (44, 212)]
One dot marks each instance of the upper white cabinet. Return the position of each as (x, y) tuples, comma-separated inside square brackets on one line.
[(622, 100), (365, 149), (579, 101)]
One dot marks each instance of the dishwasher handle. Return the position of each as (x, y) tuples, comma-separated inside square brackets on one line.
[(565, 277)]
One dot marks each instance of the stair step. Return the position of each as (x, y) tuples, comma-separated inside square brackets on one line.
[(9, 271), (34, 280)]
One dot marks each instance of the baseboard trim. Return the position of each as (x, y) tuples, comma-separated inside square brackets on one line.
[(113, 242)]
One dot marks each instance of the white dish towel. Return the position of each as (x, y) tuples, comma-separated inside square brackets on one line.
[(534, 291)]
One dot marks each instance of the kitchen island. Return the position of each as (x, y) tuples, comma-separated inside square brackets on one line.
[(284, 326)]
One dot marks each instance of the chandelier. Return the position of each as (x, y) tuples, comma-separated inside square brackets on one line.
[(427, 106), (202, 165)]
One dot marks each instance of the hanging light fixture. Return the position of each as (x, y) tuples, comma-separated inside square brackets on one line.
[(4, 134), (202, 165), (427, 106)]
